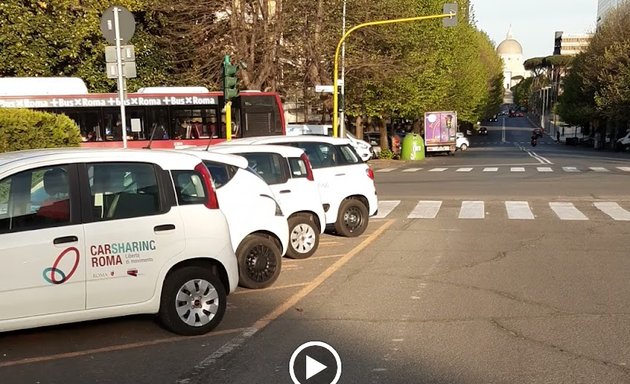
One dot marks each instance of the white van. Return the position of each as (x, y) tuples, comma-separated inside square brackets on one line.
[(90, 234), (346, 183), (288, 172), (258, 227)]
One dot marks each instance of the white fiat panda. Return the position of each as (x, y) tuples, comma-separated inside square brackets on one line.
[(288, 172), (258, 227), (346, 183), (90, 234)]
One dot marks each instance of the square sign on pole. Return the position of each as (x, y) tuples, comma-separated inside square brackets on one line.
[(450, 8), (127, 53)]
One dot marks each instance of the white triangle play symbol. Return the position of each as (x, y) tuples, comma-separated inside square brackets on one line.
[(313, 367)]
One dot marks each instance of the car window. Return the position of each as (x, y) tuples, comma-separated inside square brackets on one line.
[(221, 173), (298, 167), (348, 155), (123, 190), (189, 187), (34, 199), (321, 155), (269, 166)]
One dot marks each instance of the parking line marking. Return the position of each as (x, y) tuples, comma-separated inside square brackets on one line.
[(438, 169), (412, 169), (284, 307), (464, 170), (599, 169), (272, 288), (544, 169), (114, 348), (517, 169), (491, 169), (567, 211), (386, 170), (472, 210), (386, 207), (613, 210), (518, 210), (328, 243), (425, 210), (570, 169)]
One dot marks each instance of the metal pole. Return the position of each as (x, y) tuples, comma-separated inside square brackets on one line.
[(342, 119), (228, 121), (121, 90)]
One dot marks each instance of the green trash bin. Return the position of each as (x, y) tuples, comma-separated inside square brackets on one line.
[(412, 147)]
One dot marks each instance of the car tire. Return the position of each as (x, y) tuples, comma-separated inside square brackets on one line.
[(463, 147), (259, 262), (193, 301), (303, 236), (352, 219)]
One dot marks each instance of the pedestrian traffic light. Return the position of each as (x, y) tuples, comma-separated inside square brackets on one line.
[(229, 79)]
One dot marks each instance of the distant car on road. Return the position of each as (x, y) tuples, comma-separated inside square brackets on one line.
[(493, 118), (461, 141), (483, 131)]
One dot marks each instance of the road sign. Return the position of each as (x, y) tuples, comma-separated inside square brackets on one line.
[(324, 88), (127, 53), (126, 24), (452, 9), (128, 70)]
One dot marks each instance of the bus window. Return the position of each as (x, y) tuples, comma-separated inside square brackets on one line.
[(191, 123)]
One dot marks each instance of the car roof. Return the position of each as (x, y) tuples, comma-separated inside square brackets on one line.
[(200, 152), (165, 159), (288, 139), (283, 150)]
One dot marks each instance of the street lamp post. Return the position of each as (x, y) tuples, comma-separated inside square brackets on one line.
[(342, 119)]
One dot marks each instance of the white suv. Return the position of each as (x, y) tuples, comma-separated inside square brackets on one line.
[(346, 183), (288, 172), (90, 234), (258, 227)]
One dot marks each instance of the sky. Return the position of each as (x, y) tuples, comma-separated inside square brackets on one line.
[(534, 22)]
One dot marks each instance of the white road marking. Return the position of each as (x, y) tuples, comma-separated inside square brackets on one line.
[(613, 210), (386, 170), (567, 211), (517, 169), (464, 170), (425, 209), (385, 207), (438, 169), (570, 169), (411, 169), (545, 169), (472, 210), (599, 169), (518, 210), (626, 169), (491, 169)]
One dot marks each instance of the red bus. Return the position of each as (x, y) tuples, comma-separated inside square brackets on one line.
[(166, 116)]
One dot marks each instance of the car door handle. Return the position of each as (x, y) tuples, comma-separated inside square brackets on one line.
[(285, 191), (164, 227), (65, 239), (340, 174)]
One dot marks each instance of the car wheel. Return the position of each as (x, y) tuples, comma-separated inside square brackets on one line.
[(303, 236), (463, 147), (193, 301), (259, 262), (352, 219)]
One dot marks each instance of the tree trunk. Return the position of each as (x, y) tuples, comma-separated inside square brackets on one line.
[(358, 124)]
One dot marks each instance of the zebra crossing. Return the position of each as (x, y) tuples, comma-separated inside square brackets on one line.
[(509, 169), (512, 210)]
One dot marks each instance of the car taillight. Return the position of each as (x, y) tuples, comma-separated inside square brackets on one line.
[(309, 169), (211, 202), (370, 172)]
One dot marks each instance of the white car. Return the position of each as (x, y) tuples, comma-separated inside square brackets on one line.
[(288, 172), (346, 183), (90, 234), (461, 141), (258, 227), (363, 148)]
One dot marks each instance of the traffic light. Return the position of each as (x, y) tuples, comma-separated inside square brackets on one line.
[(229, 79)]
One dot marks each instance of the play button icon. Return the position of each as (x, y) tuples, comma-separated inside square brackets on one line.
[(315, 362)]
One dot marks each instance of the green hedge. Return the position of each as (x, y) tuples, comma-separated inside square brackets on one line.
[(27, 129)]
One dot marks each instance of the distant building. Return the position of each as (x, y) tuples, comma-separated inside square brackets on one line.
[(571, 44), (511, 52), (604, 7)]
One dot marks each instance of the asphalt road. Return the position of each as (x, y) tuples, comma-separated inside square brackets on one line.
[(501, 264)]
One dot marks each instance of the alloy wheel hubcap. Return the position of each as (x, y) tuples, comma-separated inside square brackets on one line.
[(197, 302)]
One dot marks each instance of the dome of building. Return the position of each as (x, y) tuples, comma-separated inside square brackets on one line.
[(510, 47)]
